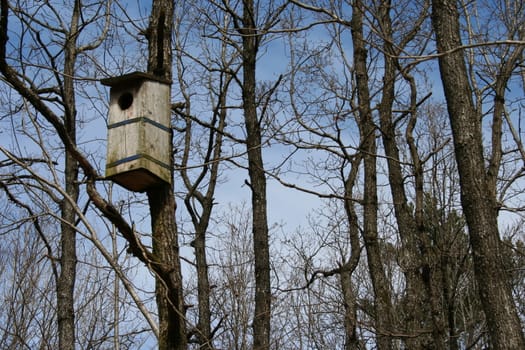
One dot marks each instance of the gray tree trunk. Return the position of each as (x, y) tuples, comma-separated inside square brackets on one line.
[(423, 306), (380, 283), (261, 320), (168, 286), (68, 257), (477, 195), (352, 341)]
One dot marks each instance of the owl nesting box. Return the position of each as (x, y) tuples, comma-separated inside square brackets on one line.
[(139, 133)]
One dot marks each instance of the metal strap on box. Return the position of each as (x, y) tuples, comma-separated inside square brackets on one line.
[(135, 157), (140, 119)]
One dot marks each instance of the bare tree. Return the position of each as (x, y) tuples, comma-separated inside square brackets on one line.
[(421, 272), (251, 23), (48, 101), (170, 301), (383, 306), (201, 139), (233, 278), (478, 183), (64, 70)]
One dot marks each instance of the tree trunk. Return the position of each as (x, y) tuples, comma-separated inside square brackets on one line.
[(170, 303), (261, 321), (201, 221), (168, 287), (347, 288), (406, 223), (201, 224), (422, 275), (203, 289), (380, 283), (68, 258), (477, 197), (350, 307)]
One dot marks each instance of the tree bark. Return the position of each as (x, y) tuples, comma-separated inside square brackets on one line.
[(68, 259), (350, 307), (207, 180), (380, 283), (203, 289), (422, 275), (261, 320), (201, 223), (477, 195), (168, 286), (347, 288)]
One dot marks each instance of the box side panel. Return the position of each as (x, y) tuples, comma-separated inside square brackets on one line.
[(154, 99), (156, 143), (155, 109), (123, 141)]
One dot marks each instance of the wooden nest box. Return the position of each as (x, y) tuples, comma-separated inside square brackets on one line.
[(139, 132)]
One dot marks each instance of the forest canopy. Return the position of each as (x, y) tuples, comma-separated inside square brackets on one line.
[(341, 174)]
